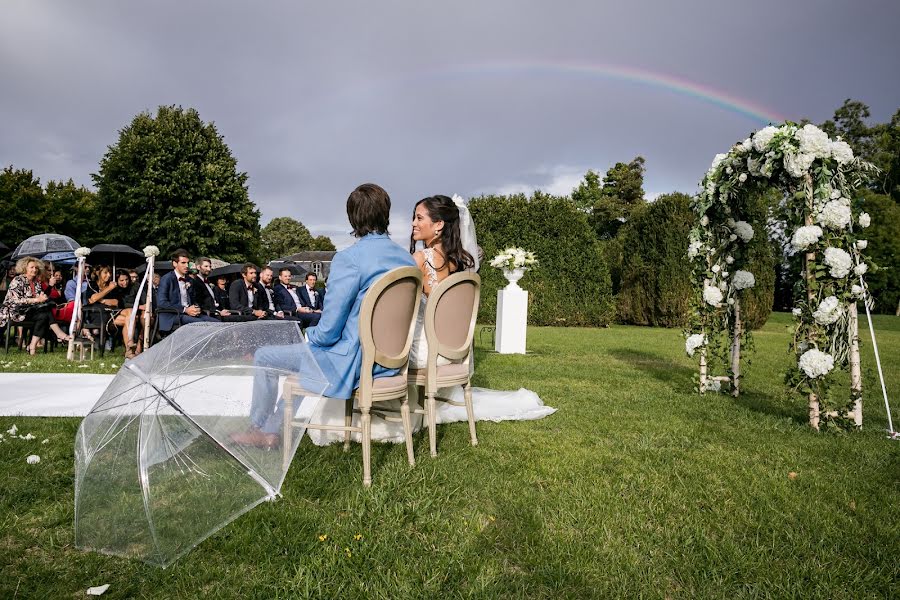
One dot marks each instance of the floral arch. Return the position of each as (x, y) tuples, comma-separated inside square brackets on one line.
[(816, 212)]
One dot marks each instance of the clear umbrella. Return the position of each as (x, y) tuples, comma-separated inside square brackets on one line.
[(39, 245), (156, 469)]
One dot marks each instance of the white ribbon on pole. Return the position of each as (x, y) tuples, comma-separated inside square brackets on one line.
[(137, 300), (887, 407), (76, 311)]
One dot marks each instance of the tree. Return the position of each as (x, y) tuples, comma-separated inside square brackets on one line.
[(622, 191), (883, 249), (171, 181), (72, 210), (284, 236), (21, 202), (323, 243), (849, 123), (589, 192)]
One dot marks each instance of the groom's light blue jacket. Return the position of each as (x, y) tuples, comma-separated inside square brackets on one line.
[(335, 340)]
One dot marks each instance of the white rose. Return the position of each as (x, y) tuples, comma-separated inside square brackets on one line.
[(712, 296), (836, 214), (861, 269), (694, 249), (722, 286), (797, 312), (730, 222), (814, 141), (805, 237), (753, 166), (864, 220), (715, 268), (729, 259), (839, 261), (842, 152), (742, 177), (743, 280), (816, 363), (724, 274), (744, 230), (829, 311), (746, 145), (857, 291), (732, 237), (704, 220), (762, 137), (731, 302), (693, 342), (861, 244), (33, 459)]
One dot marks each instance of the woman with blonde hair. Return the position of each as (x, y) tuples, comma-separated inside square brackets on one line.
[(25, 300)]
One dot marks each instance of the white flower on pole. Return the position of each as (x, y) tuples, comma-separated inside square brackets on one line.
[(864, 220), (694, 249), (839, 261), (857, 291), (712, 296), (814, 141), (743, 280), (816, 363), (841, 151), (805, 237), (860, 269), (762, 138), (744, 230), (151, 251), (829, 311), (82, 252), (861, 244), (693, 342), (836, 214), (33, 459)]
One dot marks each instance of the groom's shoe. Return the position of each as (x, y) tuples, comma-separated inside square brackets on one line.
[(256, 438)]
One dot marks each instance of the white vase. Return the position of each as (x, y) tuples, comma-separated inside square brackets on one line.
[(513, 276)]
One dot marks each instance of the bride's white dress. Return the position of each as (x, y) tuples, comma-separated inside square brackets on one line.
[(489, 405)]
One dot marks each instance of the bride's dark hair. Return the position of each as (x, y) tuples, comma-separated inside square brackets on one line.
[(442, 208)]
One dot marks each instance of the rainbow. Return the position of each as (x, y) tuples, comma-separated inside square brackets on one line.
[(661, 81)]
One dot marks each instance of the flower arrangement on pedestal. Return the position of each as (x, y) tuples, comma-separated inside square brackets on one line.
[(817, 177), (514, 262)]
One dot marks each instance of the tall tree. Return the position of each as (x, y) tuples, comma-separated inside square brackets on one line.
[(589, 192), (883, 249), (71, 210), (622, 192), (171, 181), (284, 236), (21, 202), (849, 123)]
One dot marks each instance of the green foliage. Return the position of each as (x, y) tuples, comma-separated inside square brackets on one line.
[(589, 192), (621, 193), (171, 181), (72, 210), (284, 236), (21, 199), (756, 302), (656, 276), (570, 285), (883, 250), (323, 243)]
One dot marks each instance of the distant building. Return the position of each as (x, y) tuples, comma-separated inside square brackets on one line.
[(314, 261)]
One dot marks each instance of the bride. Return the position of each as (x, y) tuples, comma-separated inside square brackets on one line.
[(446, 233)]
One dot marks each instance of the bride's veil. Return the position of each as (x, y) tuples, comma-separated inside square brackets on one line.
[(467, 231)]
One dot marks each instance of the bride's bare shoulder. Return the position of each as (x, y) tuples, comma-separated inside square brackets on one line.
[(419, 257)]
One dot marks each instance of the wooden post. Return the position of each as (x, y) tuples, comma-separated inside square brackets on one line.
[(808, 260), (855, 372), (736, 350), (703, 369), (148, 305)]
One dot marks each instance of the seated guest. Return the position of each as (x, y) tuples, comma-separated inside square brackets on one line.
[(310, 297), (220, 292), (209, 301), (243, 295), (7, 278), (133, 275), (62, 309), (101, 286), (70, 284), (26, 301), (288, 300), (274, 309), (176, 293)]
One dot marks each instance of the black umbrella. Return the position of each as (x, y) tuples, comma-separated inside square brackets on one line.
[(295, 269), (165, 265), (116, 255), (3, 246), (227, 270)]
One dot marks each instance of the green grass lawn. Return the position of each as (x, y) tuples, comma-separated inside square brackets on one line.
[(636, 487)]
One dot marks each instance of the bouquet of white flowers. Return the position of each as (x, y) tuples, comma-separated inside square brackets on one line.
[(514, 258)]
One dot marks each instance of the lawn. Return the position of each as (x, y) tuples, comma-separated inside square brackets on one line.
[(636, 487)]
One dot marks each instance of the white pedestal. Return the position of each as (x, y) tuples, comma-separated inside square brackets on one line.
[(512, 320)]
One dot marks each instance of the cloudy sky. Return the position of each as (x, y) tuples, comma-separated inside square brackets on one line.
[(464, 97)]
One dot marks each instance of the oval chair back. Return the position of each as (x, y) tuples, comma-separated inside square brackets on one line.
[(450, 317)]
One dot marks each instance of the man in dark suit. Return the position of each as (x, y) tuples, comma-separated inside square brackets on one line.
[(270, 303), (207, 296), (288, 300), (243, 295), (176, 295), (310, 297)]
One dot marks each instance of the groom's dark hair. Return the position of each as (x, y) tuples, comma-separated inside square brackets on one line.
[(369, 210)]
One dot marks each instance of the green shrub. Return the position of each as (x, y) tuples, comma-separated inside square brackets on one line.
[(570, 285)]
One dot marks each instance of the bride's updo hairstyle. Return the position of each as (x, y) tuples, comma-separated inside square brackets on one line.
[(442, 208)]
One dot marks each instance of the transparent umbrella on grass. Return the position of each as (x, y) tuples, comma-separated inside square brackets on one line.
[(156, 470)]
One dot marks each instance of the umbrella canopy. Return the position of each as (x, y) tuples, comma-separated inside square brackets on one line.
[(3, 246), (60, 258), (119, 256), (156, 470), (295, 269), (159, 266), (226, 270), (39, 245)]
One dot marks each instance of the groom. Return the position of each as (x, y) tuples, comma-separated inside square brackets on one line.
[(335, 341)]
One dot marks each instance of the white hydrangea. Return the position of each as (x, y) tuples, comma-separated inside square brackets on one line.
[(860, 269), (861, 244), (814, 141), (744, 230), (839, 261), (798, 164), (745, 146), (694, 249), (743, 280), (82, 252), (151, 251), (732, 237), (834, 194), (693, 342), (712, 296), (753, 166), (717, 161), (805, 237), (704, 220), (762, 137), (816, 363), (829, 311), (864, 220), (841, 151), (836, 214), (797, 312), (857, 291)]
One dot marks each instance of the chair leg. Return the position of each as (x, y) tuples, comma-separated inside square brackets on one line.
[(432, 422), (407, 431), (286, 428), (348, 421), (470, 412), (367, 446)]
